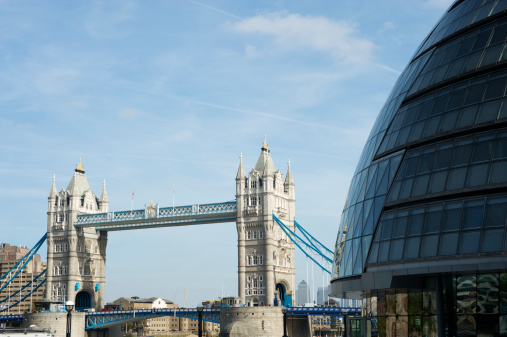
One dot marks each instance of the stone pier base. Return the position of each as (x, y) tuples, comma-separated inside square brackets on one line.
[(251, 322), (57, 322)]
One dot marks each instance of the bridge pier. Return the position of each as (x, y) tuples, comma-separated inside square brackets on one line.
[(251, 322), (57, 322)]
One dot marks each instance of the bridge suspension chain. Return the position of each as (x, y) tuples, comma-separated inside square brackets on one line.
[(28, 289), (18, 267), (297, 240)]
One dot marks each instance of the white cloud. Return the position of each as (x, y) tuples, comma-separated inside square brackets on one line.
[(251, 52), (130, 113), (339, 38)]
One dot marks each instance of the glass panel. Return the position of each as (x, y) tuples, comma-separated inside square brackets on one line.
[(382, 309), (488, 112), (387, 228), (492, 241), (456, 178), (383, 251), (400, 227), (467, 117), (487, 293), (496, 209), (412, 247), (466, 326), (472, 214), (432, 221), (469, 243), (466, 294), (391, 302), (429, 302), (503, 293), (401, 302), (477, 175), (443, 159), (448, 244), (415, 223), (420, 185), (430, 326), (452, 217), (437, 182), (482, 151), (497, 174), (415, 299), (396, 252), (500, 148), (414, 326), (402, 326), (429, 246)]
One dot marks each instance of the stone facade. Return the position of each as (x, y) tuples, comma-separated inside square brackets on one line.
[(251, 322), (266, 268), (57, 322), (76, 256)]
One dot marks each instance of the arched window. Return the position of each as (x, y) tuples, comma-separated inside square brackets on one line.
[(64, 270), (88, 268), (249, 260), (56, 270), (248, 235), (65, 247), (255, 234), (260, 259), (261, 235), (255, 260)]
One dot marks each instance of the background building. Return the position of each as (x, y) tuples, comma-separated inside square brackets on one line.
[(321, 295), (422, 235), (162, 324), (302, 293), (9, 256)]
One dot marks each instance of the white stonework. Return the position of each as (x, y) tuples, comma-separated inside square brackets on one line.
[(265, 253), (76, 256)]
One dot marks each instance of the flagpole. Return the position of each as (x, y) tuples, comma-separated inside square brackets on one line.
[(132, 203)]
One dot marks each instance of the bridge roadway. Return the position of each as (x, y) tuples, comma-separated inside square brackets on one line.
[(153, 216), (106, 319)]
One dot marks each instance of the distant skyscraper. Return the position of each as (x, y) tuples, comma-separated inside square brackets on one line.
[(321, 295), (302, 293)]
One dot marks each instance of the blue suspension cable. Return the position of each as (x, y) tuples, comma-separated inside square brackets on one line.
[(304, 231), (26, 285), (282, 225)]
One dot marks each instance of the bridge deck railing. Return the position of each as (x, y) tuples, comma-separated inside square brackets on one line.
[(221, 208)]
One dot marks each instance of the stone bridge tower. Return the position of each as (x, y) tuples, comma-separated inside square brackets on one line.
[(76, 256), (266, 268)]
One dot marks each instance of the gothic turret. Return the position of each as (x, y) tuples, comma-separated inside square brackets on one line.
[(241, 170), (53, 193), (288, 185), (103, 202)]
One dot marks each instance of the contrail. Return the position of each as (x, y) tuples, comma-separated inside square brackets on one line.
[(215, 9)]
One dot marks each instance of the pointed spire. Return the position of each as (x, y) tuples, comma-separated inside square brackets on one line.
[(52, 193), (103, 196), (241, 170), (79, 167), (269, 168), (265, 144), (288, 176)]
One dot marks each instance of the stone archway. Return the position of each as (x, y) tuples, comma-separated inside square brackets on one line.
[(83, 300)]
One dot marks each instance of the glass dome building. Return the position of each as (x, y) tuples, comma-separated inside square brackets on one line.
[(422, 237)]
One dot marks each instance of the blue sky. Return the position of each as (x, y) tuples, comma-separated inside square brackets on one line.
[(168, 93)]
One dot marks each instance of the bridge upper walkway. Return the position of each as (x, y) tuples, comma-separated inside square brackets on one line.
[(153, 216), (106, 319)]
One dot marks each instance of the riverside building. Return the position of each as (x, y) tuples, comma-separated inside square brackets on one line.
[(422, 235)]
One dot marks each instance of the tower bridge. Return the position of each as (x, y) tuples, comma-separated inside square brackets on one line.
[(78, 224)]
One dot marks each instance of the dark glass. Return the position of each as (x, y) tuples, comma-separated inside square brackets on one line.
[(500, 148), (466, 292), (400, 227), (456, 178), (448, 244), (452, 217), (420, 185), (497, 175), (495, 214), (432, 220), (487, 293), (415, 302), (469, 242), (477, 175), (387, 228), (437, 182), (472, 214), (415, 222), (443, 158), (412, 247), (475, 93), (429, 246), (461, 155), (488, 112), (482, 151), (492, 241), (503, 293), (383, 251)]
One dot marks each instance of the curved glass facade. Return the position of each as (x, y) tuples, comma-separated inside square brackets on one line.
[(431, 182)]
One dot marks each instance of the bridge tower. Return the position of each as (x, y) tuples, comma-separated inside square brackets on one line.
[(76, 256), (266, 266)]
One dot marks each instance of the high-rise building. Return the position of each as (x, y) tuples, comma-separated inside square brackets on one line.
[(422, 236), (302, 293), (321, 295), (9, 256)]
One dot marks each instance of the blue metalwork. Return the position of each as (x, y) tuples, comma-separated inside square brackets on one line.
[(291, 236), (153, 216), (338, 311), (11, 318), (311, 239), (16, 269), (104, 319), (27, 288)]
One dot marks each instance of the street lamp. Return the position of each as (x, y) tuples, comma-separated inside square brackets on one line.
[(69, 306), (284, 311), (199, 311)]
